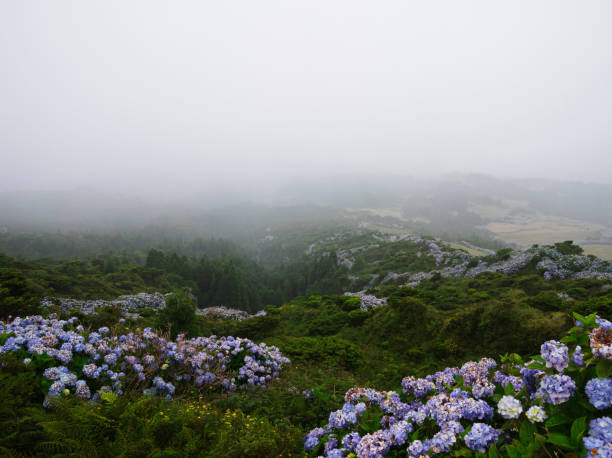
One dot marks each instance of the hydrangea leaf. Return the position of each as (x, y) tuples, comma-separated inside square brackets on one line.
[(526, 432), (557, 420), (561, 440), (603, 368), (493, 452), (578, 429), (513, 452)]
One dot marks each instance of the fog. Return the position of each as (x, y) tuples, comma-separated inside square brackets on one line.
[(241, 98)]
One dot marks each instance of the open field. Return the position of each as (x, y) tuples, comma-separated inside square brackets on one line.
[(472, 251), (545, 230), (600, 250)]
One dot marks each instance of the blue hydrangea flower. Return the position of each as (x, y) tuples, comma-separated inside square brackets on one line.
[(417, 386), (556, 389), (483, 389), (312, 438), (607, 325), (374, 445), (599, 440), (481, 436), (399, 432), (416, 449), (334, 453), (443, 441), (599, 392), (350, 441)]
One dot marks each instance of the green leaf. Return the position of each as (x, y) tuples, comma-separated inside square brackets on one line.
[(513, 452), (588, 321), (509, 389), (603, 368), (578, 429), (526, 433), (568, 339), (4, 337), (561, 440), (493, 452), (557, 420), (108, 397), (583, 339), (537, 443)]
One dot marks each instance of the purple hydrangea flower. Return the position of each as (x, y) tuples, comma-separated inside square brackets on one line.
[(374, 445), (556, 389), (416, 449), (578, 357), (555, 354), (350, 441), (443, 441)]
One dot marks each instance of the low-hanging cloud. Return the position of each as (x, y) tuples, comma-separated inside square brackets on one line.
[(157, 96)]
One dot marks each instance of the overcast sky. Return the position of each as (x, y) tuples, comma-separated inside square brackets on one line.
[(179, 94)]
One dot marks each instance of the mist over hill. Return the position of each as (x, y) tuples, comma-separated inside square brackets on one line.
[(458, 206)]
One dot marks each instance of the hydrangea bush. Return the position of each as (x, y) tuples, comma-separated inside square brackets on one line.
[(557, 403), (72, 361)]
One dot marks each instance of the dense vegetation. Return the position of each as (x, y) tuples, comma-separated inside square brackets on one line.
[(221, 279), (333, 342)]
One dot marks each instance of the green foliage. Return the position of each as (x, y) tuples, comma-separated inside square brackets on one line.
[(179, 314), (547, 301), (568, 247), (16, 296), (332, 343), (328, 351), (357, 317), (146, 427)]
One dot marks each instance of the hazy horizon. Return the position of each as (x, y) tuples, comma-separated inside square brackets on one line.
[(145, 98)]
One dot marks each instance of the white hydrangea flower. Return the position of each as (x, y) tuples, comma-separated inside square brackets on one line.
[(509, 407), (536, 414)]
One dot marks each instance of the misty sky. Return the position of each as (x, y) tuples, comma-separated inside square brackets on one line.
[(158, 95)]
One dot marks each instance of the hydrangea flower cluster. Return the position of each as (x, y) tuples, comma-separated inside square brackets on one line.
[(509, 407), (454, 408), (599, 392), (536, 414), (556, 389), (601, 342), (481, 436), (145, 360), (599, 440), (578, 357), (555, 354)]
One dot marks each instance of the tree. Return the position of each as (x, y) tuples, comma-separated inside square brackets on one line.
[(179, 314), (16, 299)]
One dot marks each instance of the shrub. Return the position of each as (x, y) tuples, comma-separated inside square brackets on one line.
[(331, 351), (178, 316), (547, 301), (357, 317)]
